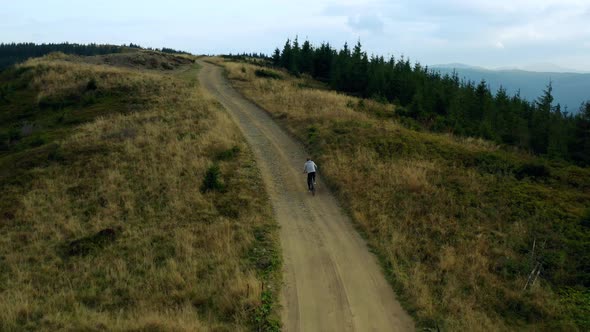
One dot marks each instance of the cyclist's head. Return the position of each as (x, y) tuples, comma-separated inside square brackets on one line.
[(308, 159)]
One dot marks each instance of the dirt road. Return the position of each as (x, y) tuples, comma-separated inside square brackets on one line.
[(332, 282)]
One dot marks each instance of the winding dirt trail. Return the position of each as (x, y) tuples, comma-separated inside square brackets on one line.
[(332, 282)]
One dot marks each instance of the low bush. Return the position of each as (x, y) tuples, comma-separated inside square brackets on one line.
[(91, 243), (533, 170), (212, 180), (265, 73), (91, 85), (228, 154)]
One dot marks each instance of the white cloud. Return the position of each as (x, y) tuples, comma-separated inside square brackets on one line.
[(484, 32), (370, 23)]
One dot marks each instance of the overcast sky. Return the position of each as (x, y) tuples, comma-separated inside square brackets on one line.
[(489, 33)]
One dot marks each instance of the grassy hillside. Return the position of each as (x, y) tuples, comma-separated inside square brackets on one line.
[(13, 53), (473, 237), (129, 202)]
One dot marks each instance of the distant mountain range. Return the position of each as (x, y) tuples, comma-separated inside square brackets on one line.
[(570, 89)]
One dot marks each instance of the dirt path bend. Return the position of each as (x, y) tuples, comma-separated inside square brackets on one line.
[(332, 282)]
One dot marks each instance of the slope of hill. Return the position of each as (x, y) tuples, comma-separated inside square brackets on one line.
[(472, 237), (444, 103), (569, 89), (128, 202)]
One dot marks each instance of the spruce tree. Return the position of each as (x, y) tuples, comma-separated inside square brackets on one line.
[(580, 144), (540, 121), (306, 58), (276, 57), (287, 56)]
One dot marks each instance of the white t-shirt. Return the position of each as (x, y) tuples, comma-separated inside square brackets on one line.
[(310, 167)]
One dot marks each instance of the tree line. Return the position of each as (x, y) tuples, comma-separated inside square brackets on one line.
[(245, 56), (13, 53), (444, 103), (163, 49)]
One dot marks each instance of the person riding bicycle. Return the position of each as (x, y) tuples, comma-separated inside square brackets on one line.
[(310, 168)]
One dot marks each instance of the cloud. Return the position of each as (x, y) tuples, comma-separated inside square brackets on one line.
[(483, 32), (370, 23)]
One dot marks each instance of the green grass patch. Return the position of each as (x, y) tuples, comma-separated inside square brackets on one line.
[(267, 73)]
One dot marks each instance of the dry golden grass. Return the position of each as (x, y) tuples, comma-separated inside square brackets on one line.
[(181, 259), (439, 227), (293, 99)]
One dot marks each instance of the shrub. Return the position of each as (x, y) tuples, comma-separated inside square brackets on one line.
[(89, 99), (312, 135), (55, 152), (493, 163), (533, 170), (229, 154), (37, 141), (212, 179), (4, 141), (14, 135), (57, 102), (407, 121), (267, 74), (92, 243), (91, 85), (167, 66)]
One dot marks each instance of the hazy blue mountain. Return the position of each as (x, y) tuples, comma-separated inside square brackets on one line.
[(550, 67), (569, 89)]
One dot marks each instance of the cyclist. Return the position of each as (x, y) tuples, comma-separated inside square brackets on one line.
[(310, 168)]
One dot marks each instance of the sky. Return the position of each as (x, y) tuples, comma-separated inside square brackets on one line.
[(533, 34)]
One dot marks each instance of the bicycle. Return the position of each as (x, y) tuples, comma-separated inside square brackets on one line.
[(311, 183), (310, 168)]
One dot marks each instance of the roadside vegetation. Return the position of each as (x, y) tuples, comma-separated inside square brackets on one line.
[(445, 103), (473, 236), (129, 202)]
